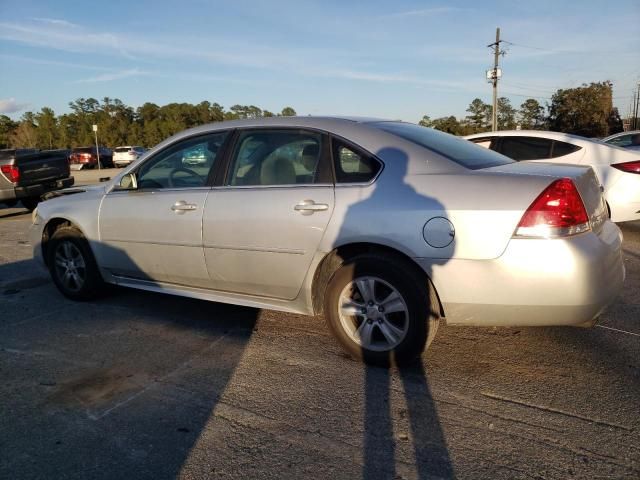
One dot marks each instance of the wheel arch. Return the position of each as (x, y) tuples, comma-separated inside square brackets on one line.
[(50, 228), (340, 255)]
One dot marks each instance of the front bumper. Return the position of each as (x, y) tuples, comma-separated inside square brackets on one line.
[(35, 239), (536, 282)]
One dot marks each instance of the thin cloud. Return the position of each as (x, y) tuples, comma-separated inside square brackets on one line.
[(55, 21), (109, 77), (55, 63), (9, 105), (423, 12)]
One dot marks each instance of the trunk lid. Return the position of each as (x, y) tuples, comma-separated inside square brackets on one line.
[(583, 177)]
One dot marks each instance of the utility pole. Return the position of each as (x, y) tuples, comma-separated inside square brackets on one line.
[(636, 109), (495, 75)]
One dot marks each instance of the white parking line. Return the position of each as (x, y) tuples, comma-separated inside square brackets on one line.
[(620, 331)]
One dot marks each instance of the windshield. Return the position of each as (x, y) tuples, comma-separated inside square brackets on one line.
[(461, 151)]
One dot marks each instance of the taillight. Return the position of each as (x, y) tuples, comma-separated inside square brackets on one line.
[(558, 211), (11, 172), (629, 167)]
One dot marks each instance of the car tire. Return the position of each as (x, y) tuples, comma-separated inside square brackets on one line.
[(381, 310), (72, 265), (30, 203)]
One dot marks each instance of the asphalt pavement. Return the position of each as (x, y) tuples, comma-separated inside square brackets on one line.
[(143, 385)]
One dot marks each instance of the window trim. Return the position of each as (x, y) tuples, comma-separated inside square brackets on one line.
[(222, 182)]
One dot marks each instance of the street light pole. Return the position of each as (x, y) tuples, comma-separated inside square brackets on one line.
[(95, 132)]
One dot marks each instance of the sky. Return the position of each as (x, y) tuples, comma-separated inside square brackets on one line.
[(392, 59)]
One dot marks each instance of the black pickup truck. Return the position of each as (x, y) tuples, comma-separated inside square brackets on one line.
[(26, 174)]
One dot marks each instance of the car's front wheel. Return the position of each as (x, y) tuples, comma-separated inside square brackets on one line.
[(72, 265), (381, 310)]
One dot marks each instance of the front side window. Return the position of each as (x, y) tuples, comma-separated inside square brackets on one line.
[(526, 148), (185, 164), (276, 157)]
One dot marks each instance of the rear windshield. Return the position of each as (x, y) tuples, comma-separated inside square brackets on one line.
[(83, 150), (459, 150), (122, 149)]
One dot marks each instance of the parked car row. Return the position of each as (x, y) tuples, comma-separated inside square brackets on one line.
[(87, 157), (384, 227)]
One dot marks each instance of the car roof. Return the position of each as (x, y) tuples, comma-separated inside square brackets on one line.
[(361, 131), (339, 125)]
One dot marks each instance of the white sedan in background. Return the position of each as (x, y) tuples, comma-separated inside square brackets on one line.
[(618, 170)]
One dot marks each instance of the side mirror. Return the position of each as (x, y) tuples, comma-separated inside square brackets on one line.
[(128, 182)]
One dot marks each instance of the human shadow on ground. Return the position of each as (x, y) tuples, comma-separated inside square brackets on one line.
[(392, 204)]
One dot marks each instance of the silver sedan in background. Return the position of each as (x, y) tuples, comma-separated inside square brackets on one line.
[(384, 227)]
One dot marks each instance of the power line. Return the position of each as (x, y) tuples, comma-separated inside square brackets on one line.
[(528, 46)]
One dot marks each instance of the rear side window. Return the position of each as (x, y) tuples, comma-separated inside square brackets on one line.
[(353, 165), (560, 149), (526, 148), (277, 157), (456, 149)]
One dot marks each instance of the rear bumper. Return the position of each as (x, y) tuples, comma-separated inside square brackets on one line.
[(535, 282), (35, 190), (123, 161)]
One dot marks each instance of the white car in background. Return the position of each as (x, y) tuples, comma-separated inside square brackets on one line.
[(629, 140), (617, 169), (123, 156)]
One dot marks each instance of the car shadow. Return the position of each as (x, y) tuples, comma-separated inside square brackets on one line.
[(124, 385)]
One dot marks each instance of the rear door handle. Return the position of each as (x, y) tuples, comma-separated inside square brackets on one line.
[(309, 207), (181, 206)]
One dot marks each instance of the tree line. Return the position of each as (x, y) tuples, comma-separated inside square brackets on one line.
[(587, 110), (118, 124)]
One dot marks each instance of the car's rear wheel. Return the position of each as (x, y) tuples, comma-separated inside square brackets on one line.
[(381, 310), (72, 265)]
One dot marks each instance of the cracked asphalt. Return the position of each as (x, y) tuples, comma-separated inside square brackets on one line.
[(142, 385)]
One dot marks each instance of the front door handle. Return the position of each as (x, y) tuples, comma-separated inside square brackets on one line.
[(309, 207), (181, 206)]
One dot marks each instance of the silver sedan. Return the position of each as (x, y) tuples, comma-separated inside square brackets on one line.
[(384, 227)]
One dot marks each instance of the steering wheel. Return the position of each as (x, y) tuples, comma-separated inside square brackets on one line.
[(171, 178)]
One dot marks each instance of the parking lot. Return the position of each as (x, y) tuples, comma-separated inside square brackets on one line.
[(141, 385)]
